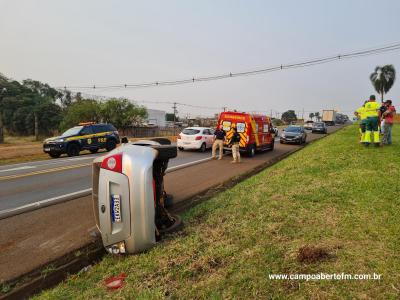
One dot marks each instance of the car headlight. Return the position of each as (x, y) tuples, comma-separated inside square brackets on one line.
[(59, 140), (282, 135)]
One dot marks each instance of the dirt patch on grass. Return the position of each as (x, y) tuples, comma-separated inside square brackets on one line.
[(313, 254)]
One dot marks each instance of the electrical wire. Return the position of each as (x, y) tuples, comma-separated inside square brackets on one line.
[(301, 64)]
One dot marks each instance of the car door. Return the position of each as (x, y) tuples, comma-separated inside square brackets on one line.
[(86, 138), (207, 136)]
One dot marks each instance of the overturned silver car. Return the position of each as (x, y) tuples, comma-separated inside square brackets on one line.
[(129, 196)]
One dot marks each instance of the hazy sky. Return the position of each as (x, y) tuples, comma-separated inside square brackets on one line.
[(112, 42)]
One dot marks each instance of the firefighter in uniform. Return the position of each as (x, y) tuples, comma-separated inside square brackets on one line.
[(235, 140), (372, 114), (360, 113)]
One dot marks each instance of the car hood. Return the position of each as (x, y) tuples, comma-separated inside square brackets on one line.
[(57, 138), (292, 134)]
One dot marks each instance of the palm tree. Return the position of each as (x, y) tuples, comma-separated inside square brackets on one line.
[(383, 78), (316, 115), (311, 116)]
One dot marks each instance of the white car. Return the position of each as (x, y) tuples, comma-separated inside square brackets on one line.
[(199, 138)]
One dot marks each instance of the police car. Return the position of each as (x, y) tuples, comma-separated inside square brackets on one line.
[(85, 136)]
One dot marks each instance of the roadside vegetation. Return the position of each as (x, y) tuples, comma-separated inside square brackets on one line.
[(34, 108), (332, 207)]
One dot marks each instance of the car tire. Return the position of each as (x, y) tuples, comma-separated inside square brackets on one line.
[(55, 155), (94, 150), (251, 151), (203, 147), (178, 224), (110, 145), (282, 142), (162, 141), (166, 152), (272, 146), (181, 148), (73, 150)]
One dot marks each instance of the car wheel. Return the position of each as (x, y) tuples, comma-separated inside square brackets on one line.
[(203, 147), (94, 150), (272, 145), (166, 152), (55, 155), (181, 148), (282, 142), (162, 141), (178, 224), (110, 145), (251, 151), (73, 150)]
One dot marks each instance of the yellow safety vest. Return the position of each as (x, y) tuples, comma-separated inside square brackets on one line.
[(361, 112), (371, 108)]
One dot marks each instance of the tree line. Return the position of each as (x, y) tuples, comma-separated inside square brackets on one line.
[(31, 107)]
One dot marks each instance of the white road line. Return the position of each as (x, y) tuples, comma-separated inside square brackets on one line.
[(18, 168), (37, 163), (178, 167), (43, 203)]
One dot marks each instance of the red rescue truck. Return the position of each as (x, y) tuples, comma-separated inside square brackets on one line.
[(256, 131)]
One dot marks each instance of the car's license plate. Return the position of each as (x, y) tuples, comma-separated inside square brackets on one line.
[(187, 143), (116, 208), (47, 149)]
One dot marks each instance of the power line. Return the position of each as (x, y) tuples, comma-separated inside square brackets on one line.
[(301, 64)]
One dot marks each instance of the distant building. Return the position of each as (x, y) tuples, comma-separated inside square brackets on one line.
[(156, 117)]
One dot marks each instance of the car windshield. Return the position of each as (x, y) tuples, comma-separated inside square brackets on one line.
[(72, 131), (190, 131), (292, 129), (319, 124)]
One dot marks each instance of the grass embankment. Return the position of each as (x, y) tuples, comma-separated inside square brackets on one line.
[(25, 149), (335, 197)]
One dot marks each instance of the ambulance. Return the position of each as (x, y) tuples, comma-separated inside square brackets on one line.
[(256, 131)]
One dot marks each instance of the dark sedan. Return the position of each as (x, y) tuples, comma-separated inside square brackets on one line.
[(293, 134), (319, 127)]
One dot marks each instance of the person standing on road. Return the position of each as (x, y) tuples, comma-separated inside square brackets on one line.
[(235, 140), (219, 138), (388, 116), (360, 113), (372, 114)]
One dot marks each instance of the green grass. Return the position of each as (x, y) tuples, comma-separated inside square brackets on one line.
[(334, 194)]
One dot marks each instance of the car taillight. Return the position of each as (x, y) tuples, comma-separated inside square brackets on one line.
[(113, 163), (198, 138)]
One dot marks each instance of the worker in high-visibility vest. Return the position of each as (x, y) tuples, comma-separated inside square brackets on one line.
[(360, 113), (372, 114)]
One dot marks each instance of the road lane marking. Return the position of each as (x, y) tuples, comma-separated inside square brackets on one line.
[(44, 171), (43, 203), (39, 163), (17, 169)]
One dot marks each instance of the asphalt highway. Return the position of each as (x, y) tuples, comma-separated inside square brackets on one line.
[(25, 183)]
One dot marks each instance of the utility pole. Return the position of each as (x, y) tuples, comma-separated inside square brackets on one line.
[(3, 91), (224, 108), (175, 112), (36, 127)]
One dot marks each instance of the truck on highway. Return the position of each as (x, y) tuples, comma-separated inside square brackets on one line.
[(329, 117)]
